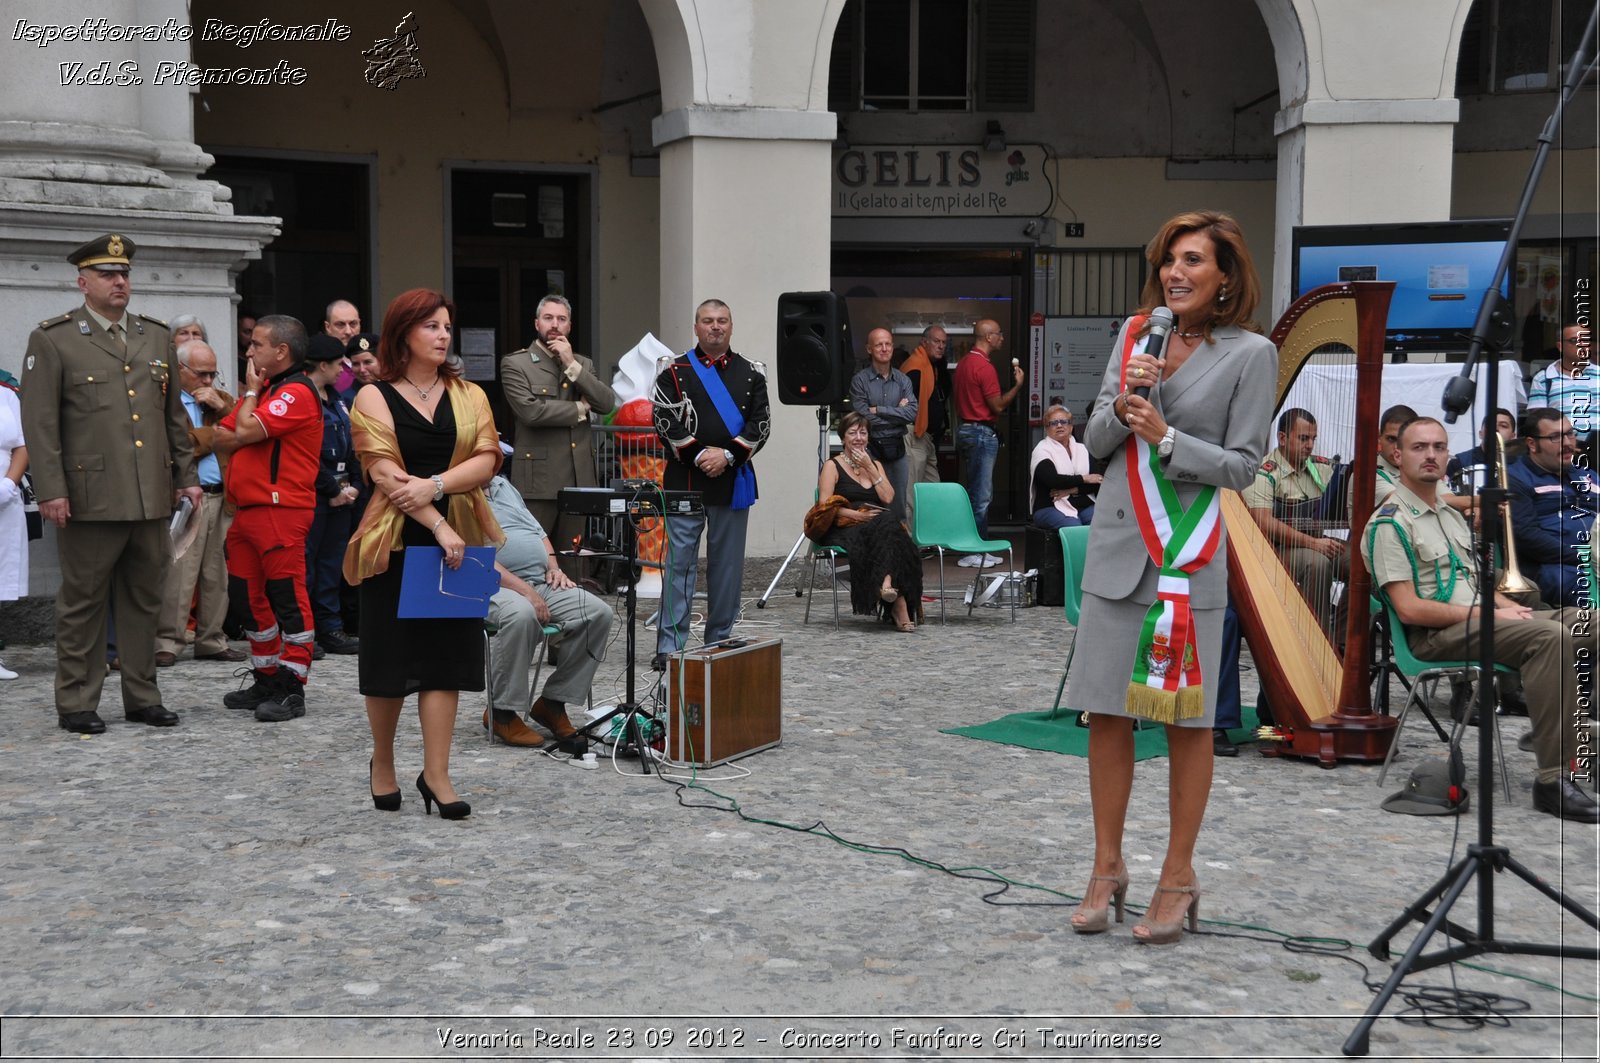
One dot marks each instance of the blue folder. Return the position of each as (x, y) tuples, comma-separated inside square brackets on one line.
[(430, 589)]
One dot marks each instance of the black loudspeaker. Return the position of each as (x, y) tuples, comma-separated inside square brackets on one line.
[(814, 352)]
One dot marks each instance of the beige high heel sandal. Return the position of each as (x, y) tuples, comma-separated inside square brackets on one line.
[(1165, 933), (1095, 919)]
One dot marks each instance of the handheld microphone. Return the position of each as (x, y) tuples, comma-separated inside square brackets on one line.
[(1160, 325)]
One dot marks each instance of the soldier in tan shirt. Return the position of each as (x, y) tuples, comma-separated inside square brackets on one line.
[(1290, 479), (1420, 552)]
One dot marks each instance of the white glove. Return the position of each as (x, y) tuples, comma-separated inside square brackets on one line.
[(9, 491)]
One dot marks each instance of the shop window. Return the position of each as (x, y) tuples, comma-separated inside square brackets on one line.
[(933, 55), (1519, 46)]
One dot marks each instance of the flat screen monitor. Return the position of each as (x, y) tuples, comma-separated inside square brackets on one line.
[(1440, 269)]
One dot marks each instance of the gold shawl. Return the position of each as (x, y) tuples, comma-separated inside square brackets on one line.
[(378, 534)]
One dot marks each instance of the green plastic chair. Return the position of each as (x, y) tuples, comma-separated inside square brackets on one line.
[(1074, 548), (833, 554), (1427, 674), (943, 520)]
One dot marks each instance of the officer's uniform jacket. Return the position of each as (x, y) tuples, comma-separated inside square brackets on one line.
[(106, 429), (553, 448)]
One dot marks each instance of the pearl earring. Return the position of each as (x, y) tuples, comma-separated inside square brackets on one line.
[(1222, 295)]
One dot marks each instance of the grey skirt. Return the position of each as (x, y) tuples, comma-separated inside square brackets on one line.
[(1102, 661)]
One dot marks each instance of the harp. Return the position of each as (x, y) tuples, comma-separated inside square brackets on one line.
[(1321, 702)]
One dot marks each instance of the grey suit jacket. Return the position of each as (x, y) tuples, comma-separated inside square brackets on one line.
[(1220, 401)]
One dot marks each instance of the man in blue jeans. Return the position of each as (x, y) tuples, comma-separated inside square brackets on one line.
[(979, 402)]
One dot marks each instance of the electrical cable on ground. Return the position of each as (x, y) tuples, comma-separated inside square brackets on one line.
[(1434, 1006)]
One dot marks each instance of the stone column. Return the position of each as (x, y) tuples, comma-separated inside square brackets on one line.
[(1366, 132), (90, 144), (745, 142)]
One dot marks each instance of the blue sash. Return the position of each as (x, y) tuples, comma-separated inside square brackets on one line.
[(744, 477)]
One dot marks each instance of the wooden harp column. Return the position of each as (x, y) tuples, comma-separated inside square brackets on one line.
[(1321, 702)]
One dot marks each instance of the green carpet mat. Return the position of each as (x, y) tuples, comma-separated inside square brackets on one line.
[(1036, 730)]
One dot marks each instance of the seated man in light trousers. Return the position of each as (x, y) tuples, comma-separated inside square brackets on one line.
[(534, 592)]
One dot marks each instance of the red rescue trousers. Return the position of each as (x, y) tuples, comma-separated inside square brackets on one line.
[(267, 553)]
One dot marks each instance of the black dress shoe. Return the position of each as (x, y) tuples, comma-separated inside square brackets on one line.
[(1512, 703), (84, 723), (1525, 743), (1221, 744), (658, 663), (154, 715), (1564, 798), (317, 652), (339, 642)]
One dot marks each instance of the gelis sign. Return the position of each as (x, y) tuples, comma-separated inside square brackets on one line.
[(934, 181)]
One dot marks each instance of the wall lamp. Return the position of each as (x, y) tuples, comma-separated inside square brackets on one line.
[(994, 137)]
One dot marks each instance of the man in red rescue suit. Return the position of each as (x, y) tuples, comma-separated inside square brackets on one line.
[(274, 435)]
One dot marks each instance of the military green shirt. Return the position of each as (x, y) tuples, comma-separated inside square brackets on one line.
[(1278, 481), (1387, 479), (1430, 547)]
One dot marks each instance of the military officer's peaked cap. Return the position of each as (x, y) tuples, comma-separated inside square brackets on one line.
[(361, 341), (110, 253)]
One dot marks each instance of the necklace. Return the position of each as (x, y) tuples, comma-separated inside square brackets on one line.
[(427, 391), (1192, 335)]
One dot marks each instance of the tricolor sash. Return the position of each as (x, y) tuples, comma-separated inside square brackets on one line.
[(1166, 682), (744, 477)]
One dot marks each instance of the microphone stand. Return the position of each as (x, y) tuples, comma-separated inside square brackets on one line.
[(1490, 333), (634, 729)]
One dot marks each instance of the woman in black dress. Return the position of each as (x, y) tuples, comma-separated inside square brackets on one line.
[(427, 440), (885, 568)]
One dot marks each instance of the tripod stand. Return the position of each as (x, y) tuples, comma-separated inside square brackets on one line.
[(1489, 334), (822, 456)]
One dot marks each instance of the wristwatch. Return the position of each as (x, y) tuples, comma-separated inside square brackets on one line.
[(438, 486), (1164, 448), (726, 453)]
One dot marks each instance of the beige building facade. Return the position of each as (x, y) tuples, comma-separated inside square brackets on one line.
[(934, 160)]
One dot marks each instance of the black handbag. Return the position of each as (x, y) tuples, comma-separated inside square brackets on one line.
[(887, 448)]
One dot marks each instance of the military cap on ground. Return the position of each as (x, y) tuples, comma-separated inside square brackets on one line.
[(361, 341), (1430, 792), (324, 348), (110, 253)]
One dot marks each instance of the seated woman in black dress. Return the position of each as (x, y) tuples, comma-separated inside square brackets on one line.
[(426, 438), (1059, 469), (885, 568)]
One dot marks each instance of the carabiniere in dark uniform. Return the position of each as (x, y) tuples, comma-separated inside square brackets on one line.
[(108, 442)]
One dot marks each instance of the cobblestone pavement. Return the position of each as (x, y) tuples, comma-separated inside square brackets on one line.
[(226, 888)]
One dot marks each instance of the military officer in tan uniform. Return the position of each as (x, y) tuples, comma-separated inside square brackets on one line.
[(1420, 552), (552, 391), (109, 443), (1289, 480)]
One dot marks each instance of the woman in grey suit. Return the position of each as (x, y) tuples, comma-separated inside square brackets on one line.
[(1202, 429)]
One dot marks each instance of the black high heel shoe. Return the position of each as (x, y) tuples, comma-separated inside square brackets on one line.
[(453, 810), (382, 802)]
